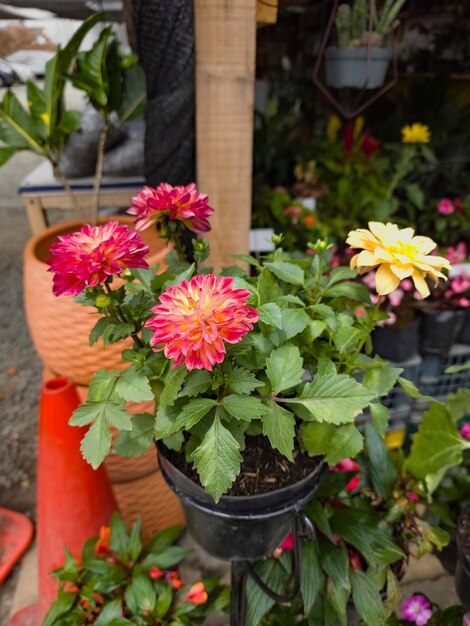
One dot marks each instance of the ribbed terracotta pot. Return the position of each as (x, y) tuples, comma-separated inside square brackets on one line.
[(59, 326)]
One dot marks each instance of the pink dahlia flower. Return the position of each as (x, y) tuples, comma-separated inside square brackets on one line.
[(88, 257), (195, 318), (184, 204), (416, 610), (446, 207)]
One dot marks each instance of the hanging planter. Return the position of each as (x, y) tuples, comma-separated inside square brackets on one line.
[(60, 327), (240, 527), (360, 68)]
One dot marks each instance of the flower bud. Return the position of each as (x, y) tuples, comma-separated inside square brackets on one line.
[(102, 301)]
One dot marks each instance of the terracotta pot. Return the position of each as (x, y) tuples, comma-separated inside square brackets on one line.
[(59, 326)]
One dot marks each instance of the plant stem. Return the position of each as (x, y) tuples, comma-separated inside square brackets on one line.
[(99, 172), (138, 343), (60, 175)]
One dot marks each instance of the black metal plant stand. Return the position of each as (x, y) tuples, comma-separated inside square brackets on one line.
[(243, 569)]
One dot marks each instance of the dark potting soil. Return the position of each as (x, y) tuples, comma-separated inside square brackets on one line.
[(263, 469), (464, 534)]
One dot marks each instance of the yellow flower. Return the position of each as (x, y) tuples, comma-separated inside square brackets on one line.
[(359, 124), (416, 133), (397, 254), (332, 127)]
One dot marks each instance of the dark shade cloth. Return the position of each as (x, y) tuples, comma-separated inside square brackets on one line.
[(165, 38)]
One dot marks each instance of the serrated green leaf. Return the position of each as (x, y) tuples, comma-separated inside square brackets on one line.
[(346, 442), (284, 368), (436, 446), (346, 337), (98, 329), (334, 398), (279, 427), (316, 437), (412, 391), (459, 403), (133, 385), (243, 407), (380, 417), (352, 291), (86, 413), (313, 330), (242, 381), (456, 369), (96, 443), (380, 380), (288, 272), (294, 321), (117, 415), (270, 314), (217, 460), (102, 386), (137, 441), (197, 381), (173, 382)]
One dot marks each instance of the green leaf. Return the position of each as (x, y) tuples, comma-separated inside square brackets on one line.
[(346, 337), (413, 392), (279, 427), (197, 381), (366, 598), (134, 546), (164, 601), (316, 437), (67, 54), (134, 100), (294, 321), (244, 408), (86, 413), (346, 442), (352, 291), (380, 380), (103, 385), (334, 398), (316, 511), (117, 415), (380, 417), (242, 381), (164, 539), (134, 386), (137, 441), (334, 561), (288, 272), (98, 329), (338, 597), (119, 537), (436, 446), (166, 558), (415, 194), (311, 576), (17, 128), (459, 403), (96, 443), (217, 460), (381, 468), (111, 610), (190, 415), (339, 274), (456, 369), (313, 330), (285, 368), (61, 607), (6, 154), (173, 381), (259, 603), (140, 596), (270, 314)]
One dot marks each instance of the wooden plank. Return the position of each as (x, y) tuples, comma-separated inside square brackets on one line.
[(36, 216), (266, 11), (225, 33)]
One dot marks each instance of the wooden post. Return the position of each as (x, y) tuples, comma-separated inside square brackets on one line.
[(225, 33)]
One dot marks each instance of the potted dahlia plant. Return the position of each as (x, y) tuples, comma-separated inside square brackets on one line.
[(360, 59), (255, 377)]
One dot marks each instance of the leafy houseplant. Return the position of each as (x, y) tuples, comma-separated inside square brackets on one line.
[(240, 366), (360, 60), (119, 581)]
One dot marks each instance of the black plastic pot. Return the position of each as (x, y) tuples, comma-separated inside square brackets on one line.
[(397, 343), (439, 331), (244, 527), (464, 334)]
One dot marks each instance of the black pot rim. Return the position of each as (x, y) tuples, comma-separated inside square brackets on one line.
[(256, 507)]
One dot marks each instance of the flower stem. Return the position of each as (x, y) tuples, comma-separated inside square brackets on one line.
[(138, 343)]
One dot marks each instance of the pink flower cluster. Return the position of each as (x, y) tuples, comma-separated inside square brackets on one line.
[(184, 204), (457, 254), (459, 290), (88, 257), (196, 317), (417, 610), (465, 431), (447, 206)]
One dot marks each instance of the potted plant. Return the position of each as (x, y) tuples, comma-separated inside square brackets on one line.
[(360, 59), (120, 581)]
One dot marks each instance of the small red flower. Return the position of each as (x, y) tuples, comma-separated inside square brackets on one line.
[(288, 543), (155, 573), (354, 557), (102, 545), (348, 139), (369, 145), (184, 204), (309, 221), (88, 257), (173, 579), (348, 465), (197, 594)]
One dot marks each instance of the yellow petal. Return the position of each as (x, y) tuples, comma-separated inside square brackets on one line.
[(366, 258), (353, 261), (385, 280), (402, 271), (420, 284), (425, 245), (406, 234)]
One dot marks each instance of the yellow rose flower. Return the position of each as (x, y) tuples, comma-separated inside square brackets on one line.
[(397, 254), (416, 133)]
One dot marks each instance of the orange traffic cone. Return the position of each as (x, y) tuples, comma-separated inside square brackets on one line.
[(73, 500)]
